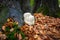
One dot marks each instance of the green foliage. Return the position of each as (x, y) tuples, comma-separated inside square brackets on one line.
[(10, 35), (23, 35), (43, 9), (17, 30), (15, 25), (58, 13), (39, 9), (3, 15), (59, 2), (2, 6), (32, 3), (7, 29)]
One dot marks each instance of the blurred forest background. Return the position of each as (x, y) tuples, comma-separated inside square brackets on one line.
[(47, 7)]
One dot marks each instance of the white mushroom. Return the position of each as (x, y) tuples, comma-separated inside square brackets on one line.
[(29, 18)]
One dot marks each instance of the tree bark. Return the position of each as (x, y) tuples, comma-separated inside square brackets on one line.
[(25, 6), (37, 5)]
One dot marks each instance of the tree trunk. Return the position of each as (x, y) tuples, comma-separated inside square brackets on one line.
[(37, 5), (25, 6)]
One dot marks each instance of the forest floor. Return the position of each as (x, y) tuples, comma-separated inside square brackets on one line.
[(45, 28)]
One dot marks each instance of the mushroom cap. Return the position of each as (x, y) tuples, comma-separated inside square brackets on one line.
[(27, 14), (29, 20)]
